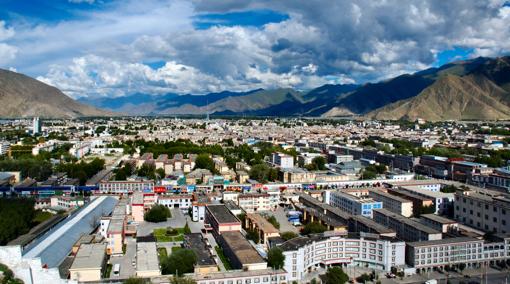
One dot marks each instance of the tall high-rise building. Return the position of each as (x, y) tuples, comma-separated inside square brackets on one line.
[(36, 126)]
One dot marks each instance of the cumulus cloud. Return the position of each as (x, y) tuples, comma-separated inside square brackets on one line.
[(92, 75), (7, 52), (107, 52)]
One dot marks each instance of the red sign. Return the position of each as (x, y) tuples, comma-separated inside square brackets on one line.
[(159, 189)]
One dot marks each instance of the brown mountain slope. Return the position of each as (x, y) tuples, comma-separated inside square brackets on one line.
[(452, 98), (22, 96)]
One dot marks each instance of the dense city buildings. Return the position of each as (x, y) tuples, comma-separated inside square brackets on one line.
[(323, 193)]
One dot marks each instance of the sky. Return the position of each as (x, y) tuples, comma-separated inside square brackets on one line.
[(97, 48)]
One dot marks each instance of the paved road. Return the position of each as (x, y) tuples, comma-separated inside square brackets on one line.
[(281, 217), (126, 261), (177, 221)]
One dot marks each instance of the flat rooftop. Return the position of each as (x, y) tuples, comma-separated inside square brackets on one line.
[(89, 256), (243, 250), (389, 195), (380, 229), (146, 257), (222, 214), (424, 192), (262, 223), (437, 218), (406, 221), (443, 241), (195, 241)]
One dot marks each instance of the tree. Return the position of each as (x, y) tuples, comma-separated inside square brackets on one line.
[(136, 280), (274, 222), (288, 235), (16, 218), (203, 161), (314, 228), (431, 209), (368, 174), (336, 275), (319, 163), (253, 235), (363, 278), (462, 266), (158, 213), (187, 229), (148, 171), (160, 173), (180, 262), (275, 258)]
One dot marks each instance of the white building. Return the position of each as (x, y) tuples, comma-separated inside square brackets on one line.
[(36, 126), (283, 160), (4, 147), (123, 187), (471, 252), (305, 254), (175, 201), (252, 202), (392, 202), (353, 204), (80, 149)]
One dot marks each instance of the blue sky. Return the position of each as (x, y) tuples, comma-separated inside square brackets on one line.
[(115, 48)]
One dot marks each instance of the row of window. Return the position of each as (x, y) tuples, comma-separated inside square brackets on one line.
[(264, 279)]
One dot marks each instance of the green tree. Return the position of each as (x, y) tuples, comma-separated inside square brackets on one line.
[(314, 228), (335, 275), (179, 262), (367, 174), (16, 218), (253, 235), (187, 230), (275, 258), (319, 162), (136, 280), (147, 170), (288, 235), (203, 161), (158, 213), (160, 173), (274, 222)]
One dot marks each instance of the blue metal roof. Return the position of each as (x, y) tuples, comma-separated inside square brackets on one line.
[(57, 244)]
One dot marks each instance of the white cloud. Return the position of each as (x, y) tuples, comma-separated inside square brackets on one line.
[(105, 52)]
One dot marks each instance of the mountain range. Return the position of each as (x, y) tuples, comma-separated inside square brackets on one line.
[(22, 96), (470, 89)]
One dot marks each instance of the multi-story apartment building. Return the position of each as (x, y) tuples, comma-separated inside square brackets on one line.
[(353, 204), (252, 202), (443, 202), (407, 229), (296, 175), (123, 187), (487, 212), (305, 254), (392, 202), (471, 252), (283, 161)]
